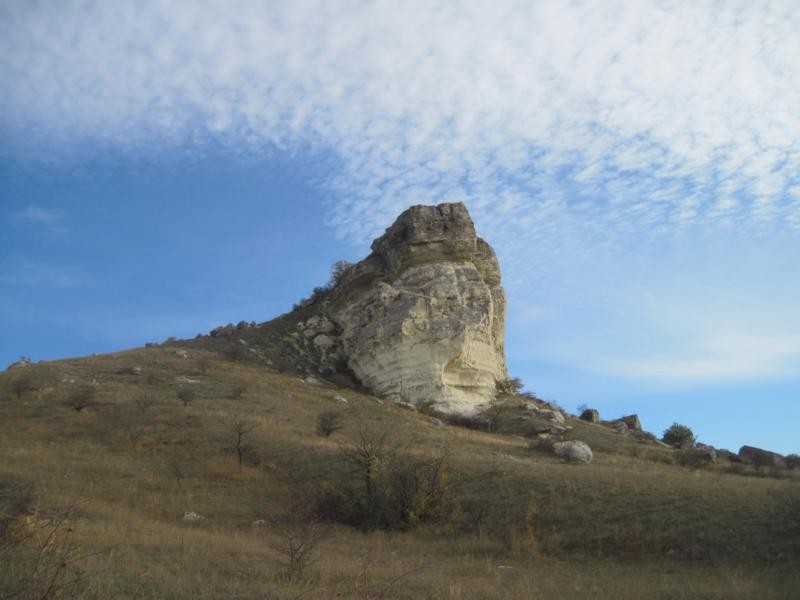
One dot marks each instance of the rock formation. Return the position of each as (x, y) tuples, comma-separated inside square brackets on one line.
[(421, 320)]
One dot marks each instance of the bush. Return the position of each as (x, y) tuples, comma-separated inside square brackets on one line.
[(328, 423), (82, 397), (679, 436), (38, 555), (381, 490), (22, 385), (186, 395), (793, 461), (237, 391)]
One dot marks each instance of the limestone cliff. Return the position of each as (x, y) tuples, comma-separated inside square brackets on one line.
[(422, 318)]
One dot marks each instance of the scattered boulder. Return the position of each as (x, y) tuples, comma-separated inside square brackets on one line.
[(591, 415), (181, 353), (728, 455), (760, 457), (129, 371), (324, 342), (618, 426), (632, 421), (222, 330), (704, 453), (573, 451), (23, 362), (192, 516), (339, 399)]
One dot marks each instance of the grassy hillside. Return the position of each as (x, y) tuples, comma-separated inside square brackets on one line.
[(101, 457)]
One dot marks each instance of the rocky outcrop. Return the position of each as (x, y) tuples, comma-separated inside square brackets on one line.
[(632, 421), (422, 318), (591, 415), (761, 458)]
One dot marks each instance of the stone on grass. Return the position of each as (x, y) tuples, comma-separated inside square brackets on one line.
[(573, 451)]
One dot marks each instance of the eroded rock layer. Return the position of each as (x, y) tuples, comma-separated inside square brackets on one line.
[(422, 318)]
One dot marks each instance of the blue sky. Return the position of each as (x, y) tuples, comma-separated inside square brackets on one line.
[(169, 166)]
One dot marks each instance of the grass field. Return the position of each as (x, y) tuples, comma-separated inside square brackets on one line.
[(114, 452)]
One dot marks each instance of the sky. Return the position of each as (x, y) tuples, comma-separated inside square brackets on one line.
[(166, 167)]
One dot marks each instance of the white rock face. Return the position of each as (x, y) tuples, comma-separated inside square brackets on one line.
[(573, 451), (422, 319)]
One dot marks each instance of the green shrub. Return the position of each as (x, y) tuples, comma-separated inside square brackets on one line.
[(793, 461), (679, 436)]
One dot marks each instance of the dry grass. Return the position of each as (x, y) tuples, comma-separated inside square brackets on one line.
[(525, 525)]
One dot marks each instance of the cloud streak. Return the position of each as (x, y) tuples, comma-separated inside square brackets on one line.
[(578, 129)]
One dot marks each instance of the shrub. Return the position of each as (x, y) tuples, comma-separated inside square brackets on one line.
[(793, 461), (339, 269), (510, 386), (381, 490), (328, 423), (186, 395), (22, 385), (82, 397), (679, 436), (38, 555), (237, 391)]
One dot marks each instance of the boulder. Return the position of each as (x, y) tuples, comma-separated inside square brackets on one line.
[(618, 426), (573, 451), (729, 456), (632, 421), (591, 415), (761, 458), (704, 453)]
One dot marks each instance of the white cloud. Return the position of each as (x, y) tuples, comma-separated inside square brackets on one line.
[(428, 101), (576, 131), (40, 216)]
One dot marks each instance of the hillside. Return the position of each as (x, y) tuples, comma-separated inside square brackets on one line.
[(124, 447)]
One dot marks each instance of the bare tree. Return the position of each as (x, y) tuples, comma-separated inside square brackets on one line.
[(239, 430), (82, 397), (328, 423), (22, 385), (143, 402), (295, 542)]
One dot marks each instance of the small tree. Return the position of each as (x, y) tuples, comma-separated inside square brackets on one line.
[(204, 364), (22, 385), (239, 430), (338, 271), (793, 461), (82, 397), (186, 395), (328, 423), (679, 436), (143, 402)]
